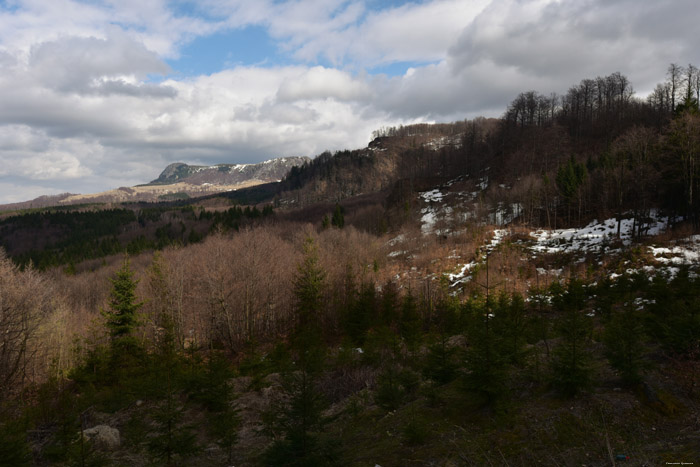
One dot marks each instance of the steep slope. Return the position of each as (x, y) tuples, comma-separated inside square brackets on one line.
[(228, 174)]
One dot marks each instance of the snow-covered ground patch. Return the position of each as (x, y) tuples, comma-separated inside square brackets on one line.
[(394, 254), (432, 195), (590, 237), (462, 276), (398, 239), (429, 214), (428, 220), (685, 252)]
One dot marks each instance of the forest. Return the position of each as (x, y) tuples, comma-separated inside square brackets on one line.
[(441, 297)]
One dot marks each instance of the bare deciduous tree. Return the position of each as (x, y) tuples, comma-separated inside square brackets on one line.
[(25, 303)]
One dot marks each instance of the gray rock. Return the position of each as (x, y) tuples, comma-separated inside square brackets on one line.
[(103, 436)]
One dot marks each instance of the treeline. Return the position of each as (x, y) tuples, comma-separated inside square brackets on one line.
[(629, 154), (604, 153), (54, 238), (441, 129)]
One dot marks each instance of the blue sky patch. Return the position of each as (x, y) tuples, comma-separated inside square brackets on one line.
[(239, 47)]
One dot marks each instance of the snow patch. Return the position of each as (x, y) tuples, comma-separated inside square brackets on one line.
[(688, 252), (591, 237)]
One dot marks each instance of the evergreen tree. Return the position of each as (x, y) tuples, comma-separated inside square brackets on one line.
[(338, 218), (210, 387), (14, 449), (171, 440), (309, 288), (361, 313), (126, 356), (390, 304), (410, 325), (571, 365), (121, 317), (624, 340), (509, 324), (441, 361), (486, 364), (298, 418), (675, 312)]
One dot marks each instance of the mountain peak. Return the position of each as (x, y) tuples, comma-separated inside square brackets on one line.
[(227, 174)]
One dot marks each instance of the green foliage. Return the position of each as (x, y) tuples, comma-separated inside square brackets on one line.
[(486, 364), (296, 421), (298, 424), (675, 312), (395, 385), (410, 325), (441, 362), (77, 236), (171, 440), (121, 317), (624, 339), (14, 449), (309, 288), (361, 313), (389, 312), (416, 431), (208, 384), (570, 177), (338, 217), (571, 363), (510, 325)]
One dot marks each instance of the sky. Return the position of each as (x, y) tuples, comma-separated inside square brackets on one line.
[(98, 94)]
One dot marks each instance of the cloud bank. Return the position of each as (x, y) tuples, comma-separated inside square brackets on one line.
[(89, 101)]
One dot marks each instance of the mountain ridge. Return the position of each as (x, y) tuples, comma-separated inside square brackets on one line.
[(177, 181), (227, 174)]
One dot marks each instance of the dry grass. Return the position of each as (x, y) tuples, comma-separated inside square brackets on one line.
[(154, 191)]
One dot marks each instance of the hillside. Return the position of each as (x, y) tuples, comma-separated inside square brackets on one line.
[(520, 291)]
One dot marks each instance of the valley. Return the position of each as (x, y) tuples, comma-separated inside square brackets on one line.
[(514, 291)]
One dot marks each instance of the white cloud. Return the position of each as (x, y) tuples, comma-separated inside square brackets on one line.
[(559, 42), (81, 113), (76, 64), (323, 83)]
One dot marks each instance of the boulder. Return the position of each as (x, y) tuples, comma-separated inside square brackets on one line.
[(103, 436)]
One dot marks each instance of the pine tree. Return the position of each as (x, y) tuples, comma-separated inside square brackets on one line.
[(338, 218), (309, 286), (171, 440), (571, 365), (441, 361), (121, 317), (126, 354), (299, 420), (14, 449), (624, 344), (486, 364), (361, 313), (410, 325)]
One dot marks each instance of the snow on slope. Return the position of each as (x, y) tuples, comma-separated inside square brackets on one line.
[(686, 251), (590, 237), (598, 237)]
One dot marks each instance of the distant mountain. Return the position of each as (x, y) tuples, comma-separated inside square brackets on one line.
[(178, 181), (228, 174), (40, 202)]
